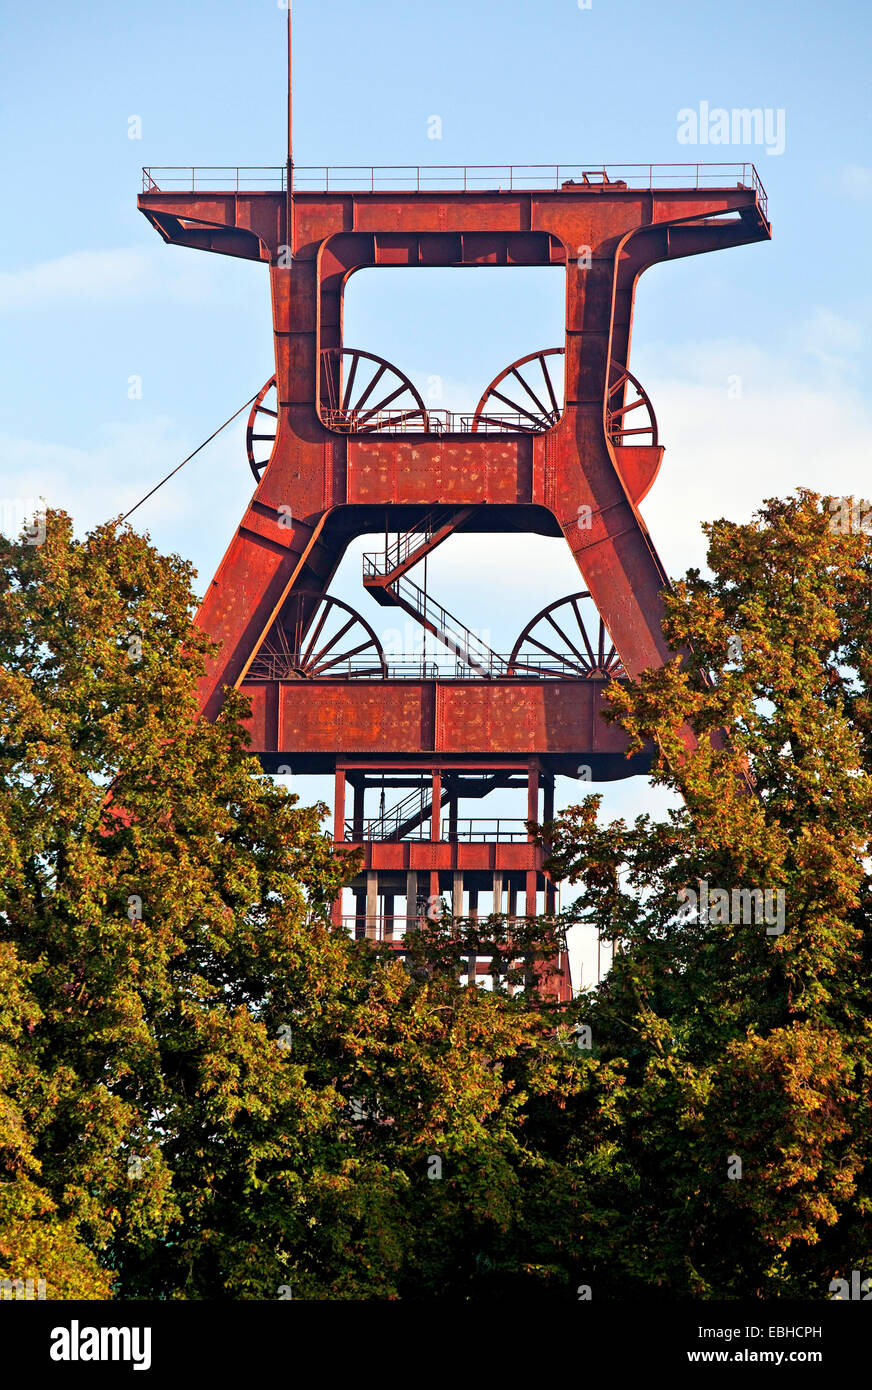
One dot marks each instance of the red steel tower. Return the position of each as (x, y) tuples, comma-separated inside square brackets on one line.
[(341, 444)]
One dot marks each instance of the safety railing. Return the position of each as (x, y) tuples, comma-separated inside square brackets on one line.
[(380, 928), (196, 178), (756, 183), (399, 551), (387, 421), (387, 828), (480, 830), (453, 178), (433, 422), (392, 929), (406, 544), (427, 668), (475, 830)]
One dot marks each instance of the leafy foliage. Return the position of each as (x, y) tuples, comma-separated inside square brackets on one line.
[(207, 1091), (719, 1039)]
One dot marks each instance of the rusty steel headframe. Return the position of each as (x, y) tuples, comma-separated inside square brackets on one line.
[(336, 484), (336, 466)]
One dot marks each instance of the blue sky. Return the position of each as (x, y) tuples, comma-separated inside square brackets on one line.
[(89, 296)]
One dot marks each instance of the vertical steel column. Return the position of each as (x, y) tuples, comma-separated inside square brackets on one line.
[(548, 797), (452, 817), (530, 893), (359, 785), (411, 899), (359, 914), (498, 890), (457, 894), (338, 836), (532, 794), (547, 815), (371, 904), (436, 811), (339, 807)]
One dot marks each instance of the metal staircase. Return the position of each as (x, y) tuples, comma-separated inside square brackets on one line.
[(416, 808), (381, 570), (400, 820), (385, 576)]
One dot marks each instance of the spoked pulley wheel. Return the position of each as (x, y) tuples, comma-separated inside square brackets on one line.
[(364, 394), (527, 398), (568, 638), (260, 435), (318, 637)]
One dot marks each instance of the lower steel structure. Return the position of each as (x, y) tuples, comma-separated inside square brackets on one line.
[(415, 752)]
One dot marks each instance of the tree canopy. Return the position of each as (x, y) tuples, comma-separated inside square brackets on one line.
[(724, 1034), (207, 1091)]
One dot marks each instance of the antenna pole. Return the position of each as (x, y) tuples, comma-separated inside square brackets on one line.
[(289, 93), (289, 171)]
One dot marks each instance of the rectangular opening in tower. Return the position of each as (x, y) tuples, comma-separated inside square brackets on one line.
[(481, 347)]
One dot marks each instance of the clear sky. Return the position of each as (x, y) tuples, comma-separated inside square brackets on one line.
[(90, 296)]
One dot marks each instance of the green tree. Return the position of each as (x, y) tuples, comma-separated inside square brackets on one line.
[(206, 1089), (717, 1038), (159, 902)]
